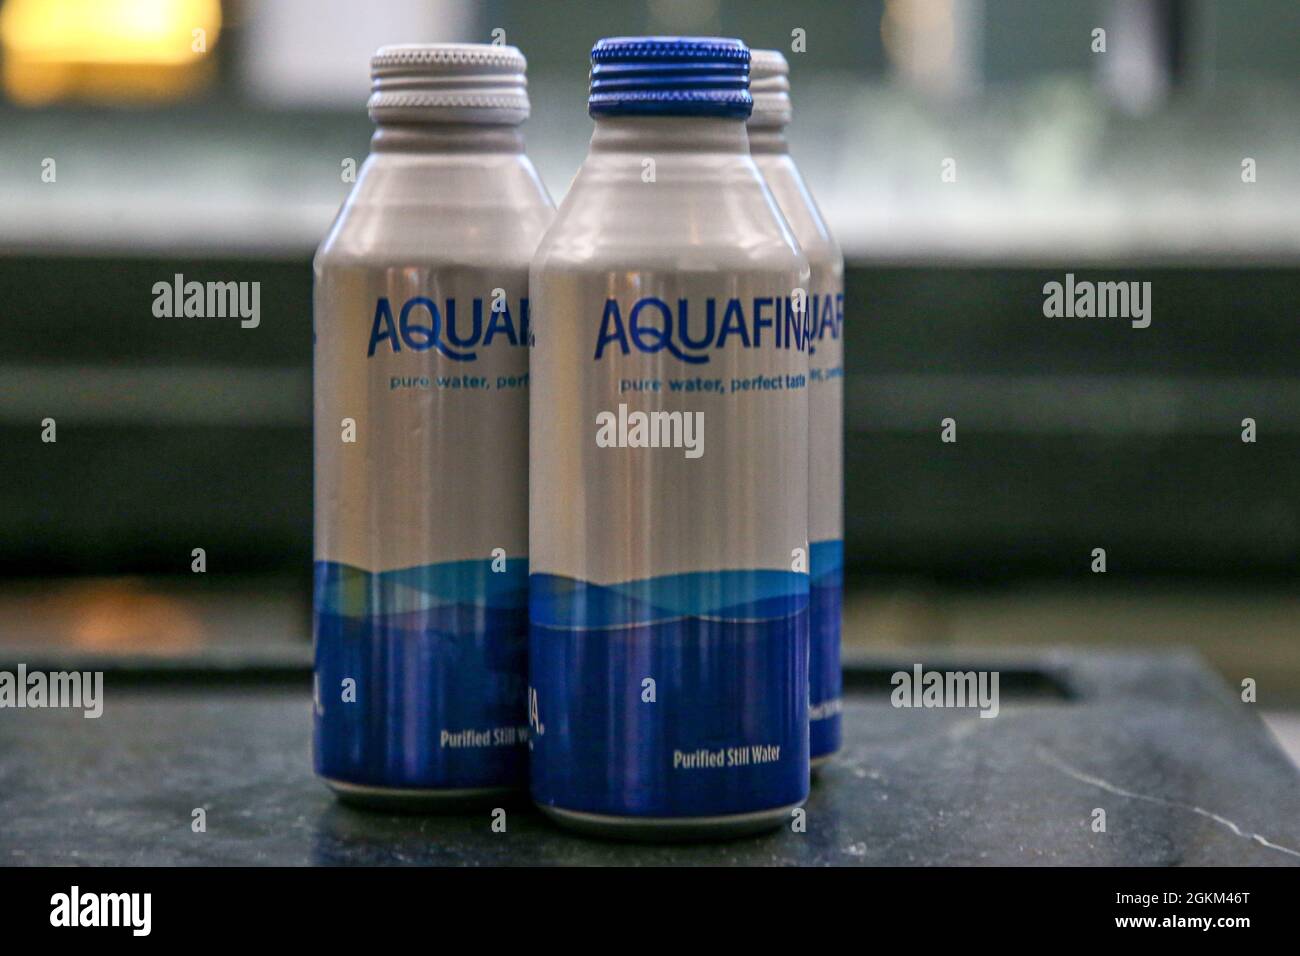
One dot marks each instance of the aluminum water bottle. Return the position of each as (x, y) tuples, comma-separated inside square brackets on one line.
[(769, 84), (421, 334), (669, 465)]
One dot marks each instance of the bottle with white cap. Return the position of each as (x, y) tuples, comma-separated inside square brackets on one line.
[(421, 336), (769, 84), (669, 465)]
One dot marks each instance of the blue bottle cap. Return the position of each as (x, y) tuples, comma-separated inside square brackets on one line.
[(670, 76)]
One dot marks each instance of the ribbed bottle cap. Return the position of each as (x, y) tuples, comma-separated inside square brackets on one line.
[(670, 76), (769, 83), (448, 83)]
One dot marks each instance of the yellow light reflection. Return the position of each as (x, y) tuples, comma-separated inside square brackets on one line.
[(117, 50), (126, 616)]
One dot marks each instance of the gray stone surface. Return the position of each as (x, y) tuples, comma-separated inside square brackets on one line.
[(1185, 772)]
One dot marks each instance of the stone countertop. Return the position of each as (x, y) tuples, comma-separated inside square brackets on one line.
[(1185, 772)]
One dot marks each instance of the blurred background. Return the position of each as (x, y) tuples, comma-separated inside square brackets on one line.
[(145, 138)]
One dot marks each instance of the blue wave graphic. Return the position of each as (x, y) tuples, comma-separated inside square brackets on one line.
[(727, 730), (352, 592), (434, 649), (736, 690), (740, 595), (827, 558), (825, 678)]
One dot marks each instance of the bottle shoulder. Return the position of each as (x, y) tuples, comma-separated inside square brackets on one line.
[(689, 212), (464, 208), (801, 211)]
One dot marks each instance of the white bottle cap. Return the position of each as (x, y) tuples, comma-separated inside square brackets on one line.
[(769, 84), (448, 83)]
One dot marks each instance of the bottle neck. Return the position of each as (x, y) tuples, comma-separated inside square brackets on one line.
[(766, 140), (447, 138), (680, 134)]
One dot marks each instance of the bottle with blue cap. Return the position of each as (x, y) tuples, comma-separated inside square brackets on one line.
[(770, 86), (421, 405), (668, 520)]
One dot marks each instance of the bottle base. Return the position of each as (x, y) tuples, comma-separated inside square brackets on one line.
[(821, 760), (409, 800), (670, 829)]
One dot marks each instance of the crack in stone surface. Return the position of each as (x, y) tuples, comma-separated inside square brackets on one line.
[(1050, 758)]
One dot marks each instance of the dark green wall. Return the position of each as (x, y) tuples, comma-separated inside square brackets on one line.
[(1072, 433)]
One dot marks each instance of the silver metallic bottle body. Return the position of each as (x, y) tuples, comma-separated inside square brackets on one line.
[(421, 411), (668, 599), (771, 152)]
